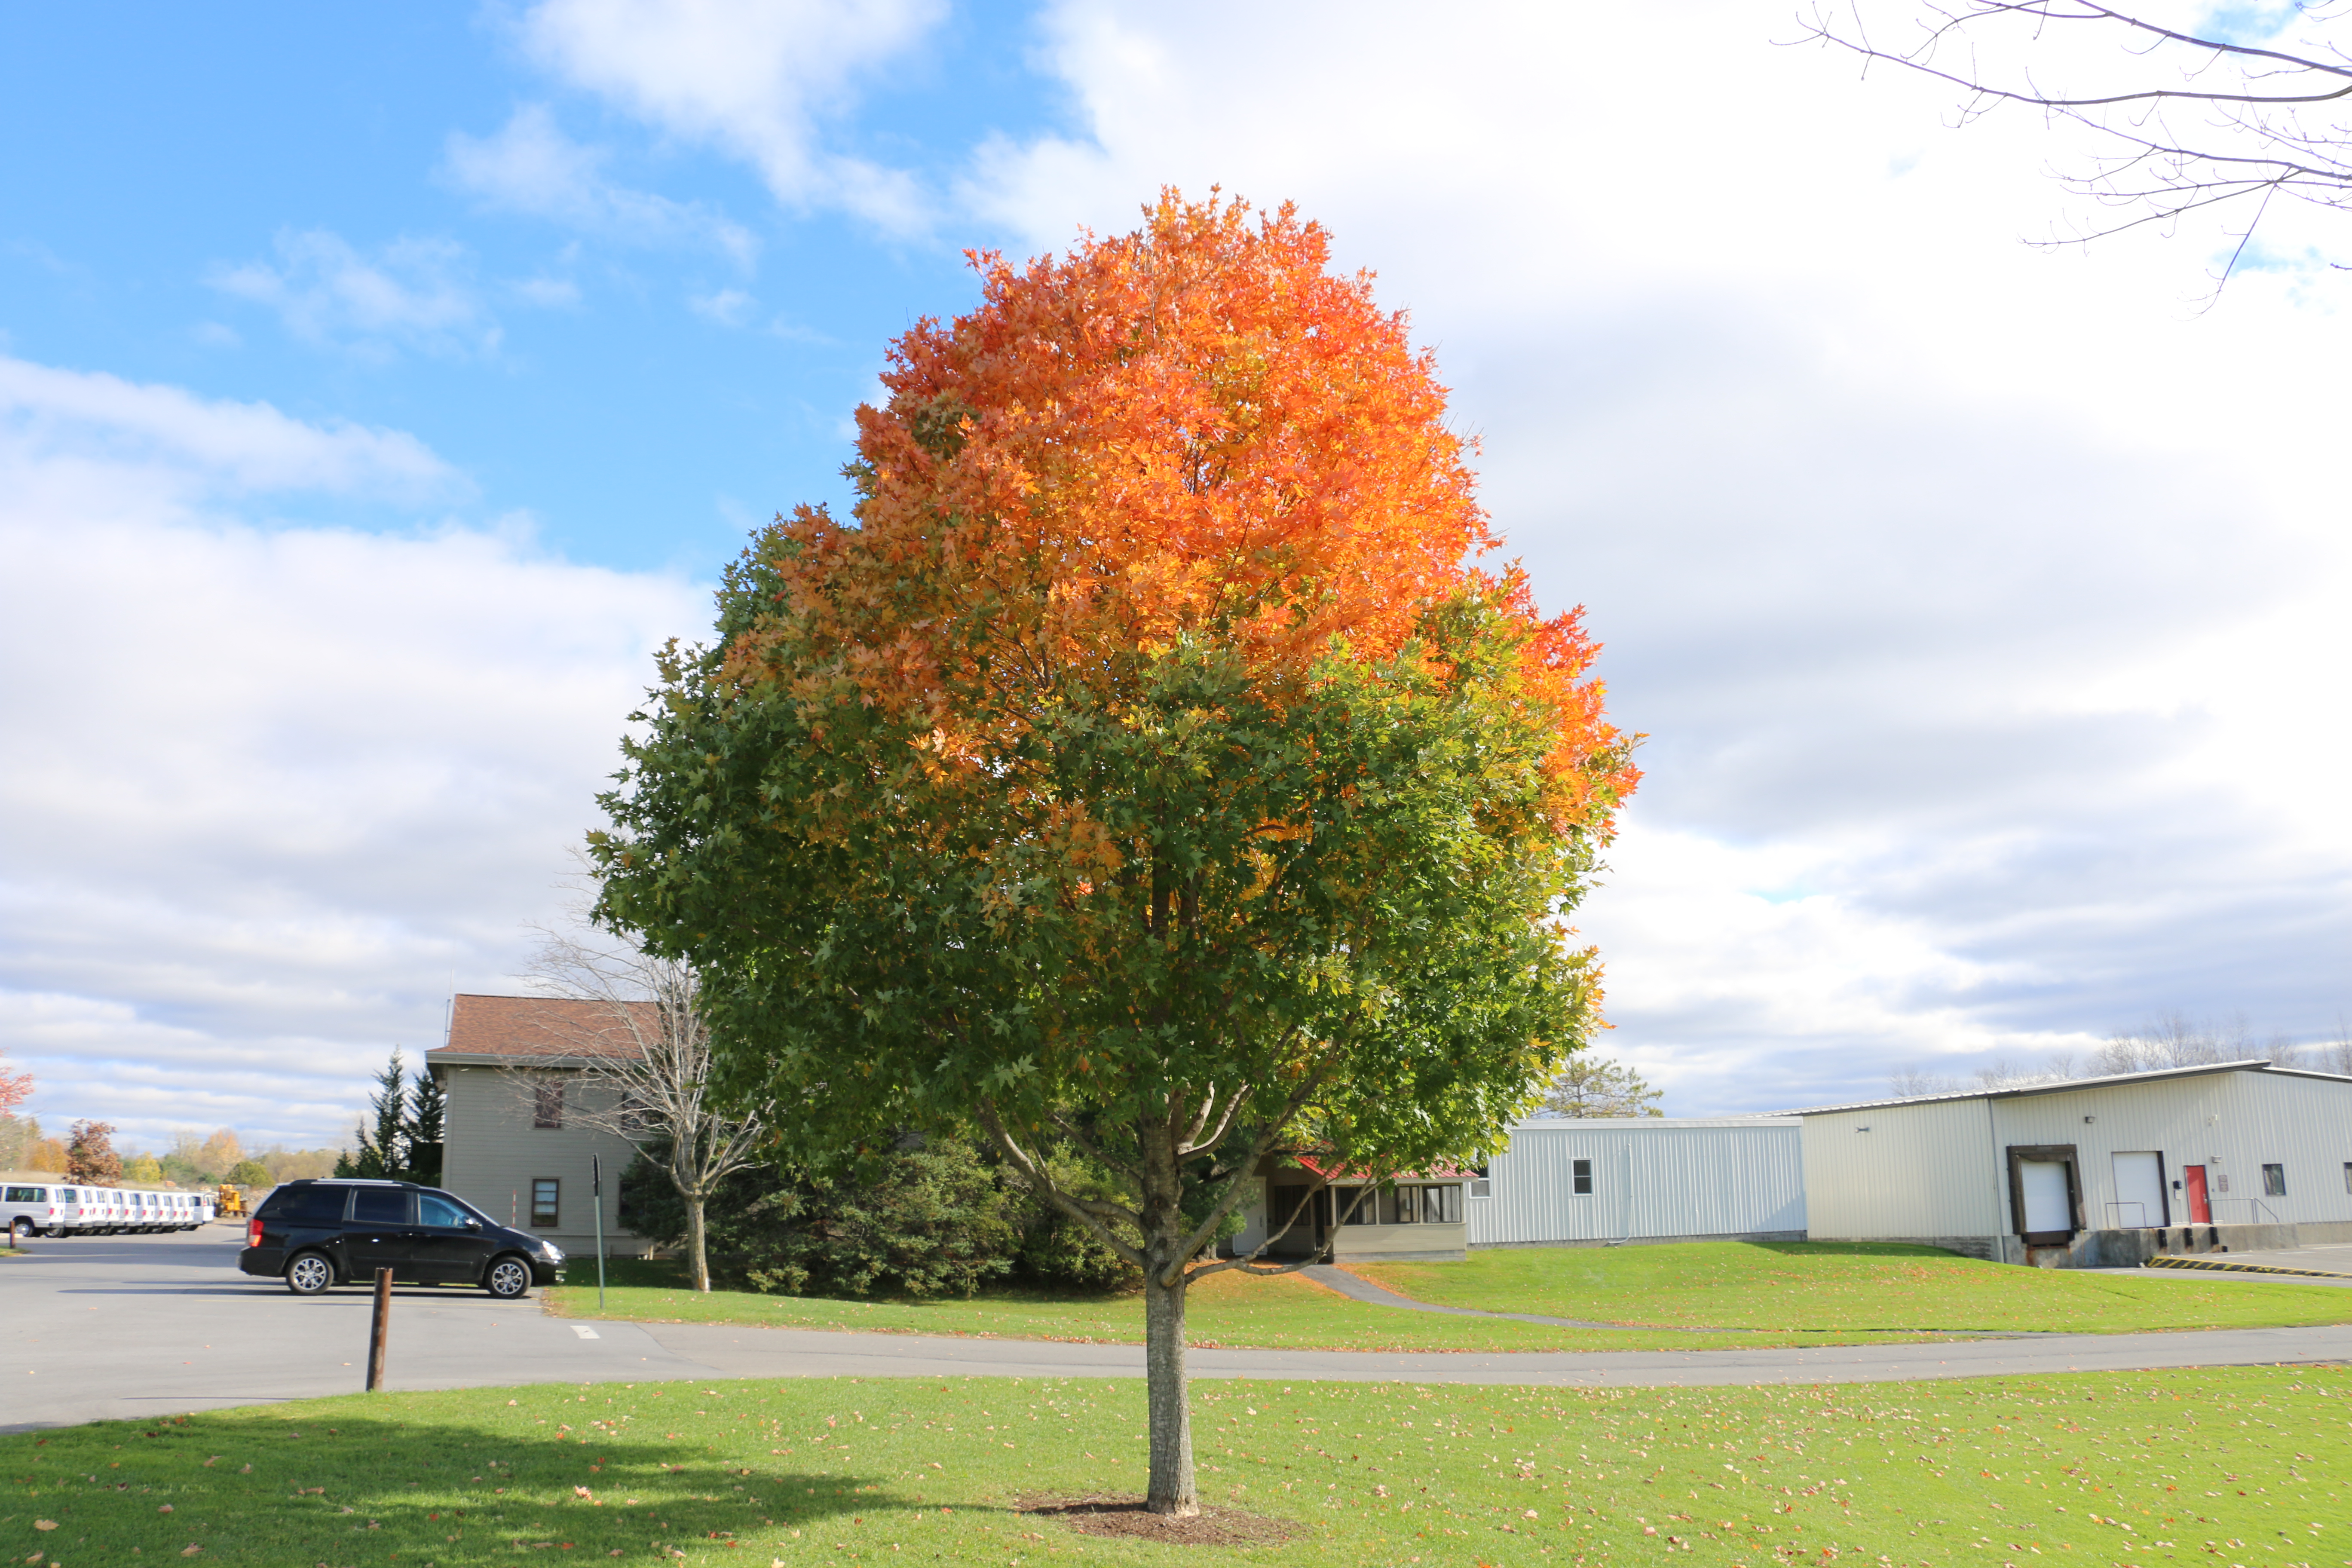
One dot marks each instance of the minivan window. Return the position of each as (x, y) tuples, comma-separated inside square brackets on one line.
[(379, 1205), (440, 1211), (312, 1204)]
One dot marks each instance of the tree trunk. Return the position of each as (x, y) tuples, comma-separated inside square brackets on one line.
[(1162, 1213), (1172, 1491), (697, 1256)]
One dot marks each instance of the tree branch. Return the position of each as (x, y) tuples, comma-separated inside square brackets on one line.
[(1041, 1182)]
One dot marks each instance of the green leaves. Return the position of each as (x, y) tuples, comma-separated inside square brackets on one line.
[(1195, 877)]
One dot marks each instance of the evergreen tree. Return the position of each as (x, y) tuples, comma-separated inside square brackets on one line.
[(383, 1150), (429, 1106)]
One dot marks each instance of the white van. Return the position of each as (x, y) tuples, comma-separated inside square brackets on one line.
[(27, 1211)]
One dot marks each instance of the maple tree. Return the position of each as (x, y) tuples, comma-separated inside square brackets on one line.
[(16, 1087), (1146, 769)]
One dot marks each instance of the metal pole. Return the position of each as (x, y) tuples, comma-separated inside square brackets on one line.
[(376, 1333), (596, 1201)]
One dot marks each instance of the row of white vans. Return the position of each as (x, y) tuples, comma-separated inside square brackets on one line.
[(41, 1210)]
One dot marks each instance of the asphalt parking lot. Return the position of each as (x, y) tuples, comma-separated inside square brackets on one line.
[(130, 1326)]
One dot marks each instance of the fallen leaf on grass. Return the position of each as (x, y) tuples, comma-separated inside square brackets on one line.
[(45, 1524)]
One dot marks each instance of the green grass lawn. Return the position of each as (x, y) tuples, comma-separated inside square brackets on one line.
[(1284, 1312), (2249, 1466), (1843, 1287), (1771, 1294)]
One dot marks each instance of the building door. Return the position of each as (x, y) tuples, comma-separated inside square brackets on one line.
[(2139, 1192), (2199, 1211), (2047, 1209)]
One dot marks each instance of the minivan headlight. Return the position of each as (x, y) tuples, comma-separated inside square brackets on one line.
[(552, 1252)]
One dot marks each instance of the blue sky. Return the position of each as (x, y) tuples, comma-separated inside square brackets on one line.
[(379, 388), (563, 366)]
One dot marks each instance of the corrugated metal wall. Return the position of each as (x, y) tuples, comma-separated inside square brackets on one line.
[(1942, 1169), (1655, 1177), (2231, 1123), (1920, 1171)]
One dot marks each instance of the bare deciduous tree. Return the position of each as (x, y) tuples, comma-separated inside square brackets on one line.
[(2173, 1039), (1913, 1083), (642, 1051), (2180, 121)]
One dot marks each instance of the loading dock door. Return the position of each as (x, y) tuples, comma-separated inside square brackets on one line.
[(2200, 1212), (2139, 1192), (2047, 1206)]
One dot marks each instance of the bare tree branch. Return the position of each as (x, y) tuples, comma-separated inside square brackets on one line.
[(2256, 140), (634, 1053)]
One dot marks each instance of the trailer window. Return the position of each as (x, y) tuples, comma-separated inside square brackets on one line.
[(1579, 1175), (2273, 1180)]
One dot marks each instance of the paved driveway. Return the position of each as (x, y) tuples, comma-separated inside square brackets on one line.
[(131, 1327)]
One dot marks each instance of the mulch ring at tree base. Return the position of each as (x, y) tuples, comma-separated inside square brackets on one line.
[(1126, 1517)]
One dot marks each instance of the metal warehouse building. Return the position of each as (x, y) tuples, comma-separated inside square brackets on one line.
[(2091, 1172), (1645, 1179)]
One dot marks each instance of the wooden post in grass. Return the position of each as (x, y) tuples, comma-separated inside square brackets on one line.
[(376, 1333)]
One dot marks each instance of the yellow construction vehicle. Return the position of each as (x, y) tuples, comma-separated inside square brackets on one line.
[(231, 1203)]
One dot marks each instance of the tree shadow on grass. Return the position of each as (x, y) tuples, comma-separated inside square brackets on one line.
[(332, 1482)]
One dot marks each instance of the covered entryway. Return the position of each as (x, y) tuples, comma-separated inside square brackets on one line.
[(2139, 1201)]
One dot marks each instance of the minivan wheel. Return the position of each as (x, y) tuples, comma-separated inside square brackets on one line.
[(309, 1274), (22, 1230), (509, 1278)]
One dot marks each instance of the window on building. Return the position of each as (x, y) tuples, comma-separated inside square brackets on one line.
[(1579, 1175), (547, 1103), (2347, 1175), (1481, 1184), (545, 1191), (2273, 1180), (1400, 1205), (1361, 1205), (1284, 1203), (1440, 1206)]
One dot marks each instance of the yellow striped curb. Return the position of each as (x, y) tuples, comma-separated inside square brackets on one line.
[(2207, 1263)]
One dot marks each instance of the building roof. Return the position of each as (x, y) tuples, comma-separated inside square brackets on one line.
[(1642, 1123), (505, 1030), (2073, 1086)]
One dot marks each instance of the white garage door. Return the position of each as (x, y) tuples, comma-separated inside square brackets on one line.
[(2139, 1192), (2047, 1206)]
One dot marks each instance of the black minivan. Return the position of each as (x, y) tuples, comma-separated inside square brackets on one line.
[(317, 1234)]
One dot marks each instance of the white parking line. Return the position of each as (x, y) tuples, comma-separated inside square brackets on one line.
[(583, 1330)]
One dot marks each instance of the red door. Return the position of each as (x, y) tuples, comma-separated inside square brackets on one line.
[(2199, 1211)]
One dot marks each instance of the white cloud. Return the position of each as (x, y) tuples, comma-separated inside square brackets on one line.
[(759, 82), (412, 293), (728, 307), (274, 787), (116, 436), (529, 165), (1970, 592)]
